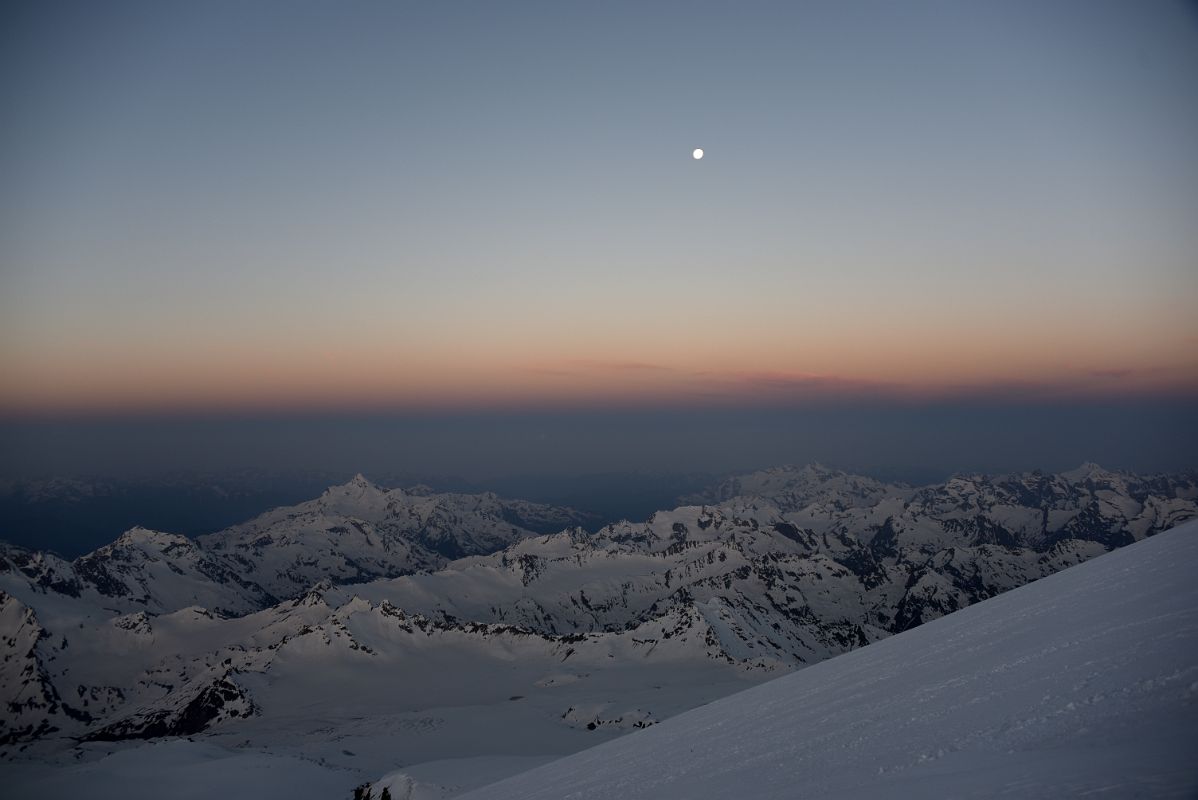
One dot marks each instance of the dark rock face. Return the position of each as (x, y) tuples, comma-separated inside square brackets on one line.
[(32, 705), (198, 709), (44, 570)]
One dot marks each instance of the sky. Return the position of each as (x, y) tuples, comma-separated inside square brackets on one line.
[(313, 210)]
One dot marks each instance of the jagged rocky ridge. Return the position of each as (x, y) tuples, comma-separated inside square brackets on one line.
[(160, 635)]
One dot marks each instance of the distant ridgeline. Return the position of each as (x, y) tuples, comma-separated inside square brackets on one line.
[(72, 516), (158, 634)]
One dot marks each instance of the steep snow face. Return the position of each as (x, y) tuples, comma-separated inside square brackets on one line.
[(1083, 683)]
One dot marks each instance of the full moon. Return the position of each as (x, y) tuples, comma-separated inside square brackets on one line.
[(698, 153)]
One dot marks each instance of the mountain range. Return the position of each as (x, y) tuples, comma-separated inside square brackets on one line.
[(372, 629), (1078, 685)]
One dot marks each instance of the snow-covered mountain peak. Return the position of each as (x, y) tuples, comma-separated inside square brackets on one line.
[(816, 470), (145, 537), (357, 484), (320, 588), (359, 495), (792, 488), (354, 605), (1088, 470)]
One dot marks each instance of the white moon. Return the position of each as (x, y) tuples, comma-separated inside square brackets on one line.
[(698, 153)]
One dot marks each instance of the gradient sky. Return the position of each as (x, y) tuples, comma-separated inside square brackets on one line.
[(291, 206)]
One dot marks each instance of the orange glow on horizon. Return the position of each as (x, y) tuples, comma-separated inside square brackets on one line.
[(379, 377), (643, 353)]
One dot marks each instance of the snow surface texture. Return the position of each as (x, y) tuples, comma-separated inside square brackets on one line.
[(1083, 683), (184, 770)]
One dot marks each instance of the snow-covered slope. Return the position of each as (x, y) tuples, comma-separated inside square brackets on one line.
[(1083, 683)]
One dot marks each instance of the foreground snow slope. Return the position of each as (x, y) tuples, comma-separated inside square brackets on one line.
[(1083, 682)]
